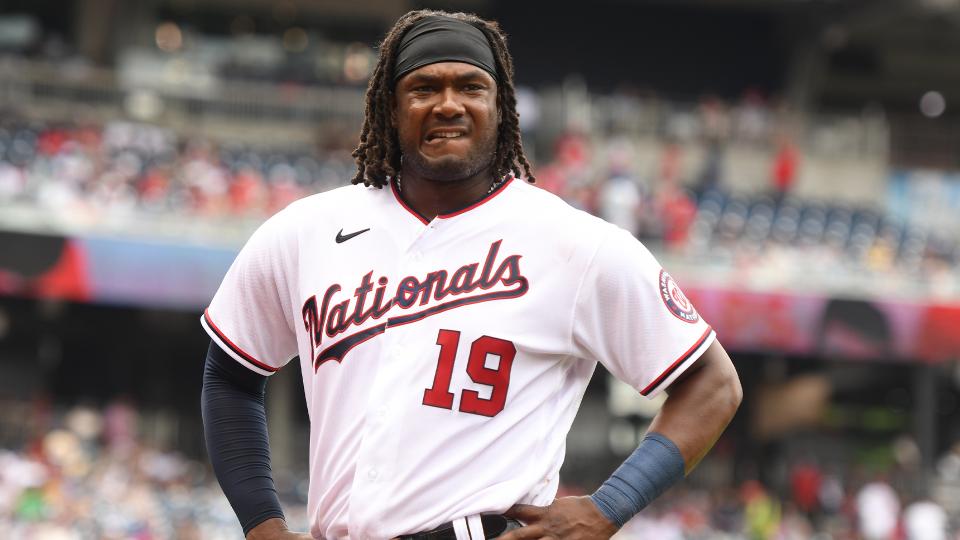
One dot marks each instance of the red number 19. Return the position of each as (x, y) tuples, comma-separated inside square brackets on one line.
[(498, 379)]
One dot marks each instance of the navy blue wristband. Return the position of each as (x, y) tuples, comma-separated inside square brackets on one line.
[(649, 471)]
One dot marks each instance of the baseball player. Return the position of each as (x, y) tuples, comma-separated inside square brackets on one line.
[(447, 316)]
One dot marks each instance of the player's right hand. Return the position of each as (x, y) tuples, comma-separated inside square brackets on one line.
[(567, 518), (275, 529)]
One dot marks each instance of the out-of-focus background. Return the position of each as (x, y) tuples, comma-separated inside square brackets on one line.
[(793, 163)]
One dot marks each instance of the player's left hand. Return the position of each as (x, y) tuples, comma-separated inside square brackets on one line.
[(568, 518)]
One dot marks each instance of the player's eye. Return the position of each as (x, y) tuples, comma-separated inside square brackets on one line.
[(473, 87)]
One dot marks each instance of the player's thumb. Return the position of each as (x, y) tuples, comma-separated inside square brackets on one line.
[(526, 513)]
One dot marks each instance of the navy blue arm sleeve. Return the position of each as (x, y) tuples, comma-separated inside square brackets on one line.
[(235, 429)]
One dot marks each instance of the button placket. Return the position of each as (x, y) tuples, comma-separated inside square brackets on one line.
[(373, 455), (414, 252), (373, 466)]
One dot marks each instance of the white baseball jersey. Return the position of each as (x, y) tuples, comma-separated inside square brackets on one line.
[(444, 360)]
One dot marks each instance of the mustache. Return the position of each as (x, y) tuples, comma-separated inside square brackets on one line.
[(442, 125)]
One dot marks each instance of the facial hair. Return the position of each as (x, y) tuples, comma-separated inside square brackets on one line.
[(449, 169)]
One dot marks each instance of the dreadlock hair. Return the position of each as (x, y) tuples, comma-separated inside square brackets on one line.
[(378, 154)]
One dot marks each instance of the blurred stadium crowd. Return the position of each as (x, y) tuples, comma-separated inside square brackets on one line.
[(86, 473), (122, 172), (125, 169)]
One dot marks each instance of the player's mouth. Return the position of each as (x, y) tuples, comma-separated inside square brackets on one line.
[(439, 136)]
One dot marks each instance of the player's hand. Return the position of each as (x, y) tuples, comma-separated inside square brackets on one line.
[(275, 529), (568, 518)]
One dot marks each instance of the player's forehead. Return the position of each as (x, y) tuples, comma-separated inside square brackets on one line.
[(446, 72)]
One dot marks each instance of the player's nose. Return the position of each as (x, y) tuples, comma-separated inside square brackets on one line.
[(449, 105)]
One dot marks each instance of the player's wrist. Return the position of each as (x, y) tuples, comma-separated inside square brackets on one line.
[(273, 529), (597, 519), (266, 529), (652, 469)]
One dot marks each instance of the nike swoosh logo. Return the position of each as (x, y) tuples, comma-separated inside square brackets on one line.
[(341, 238)]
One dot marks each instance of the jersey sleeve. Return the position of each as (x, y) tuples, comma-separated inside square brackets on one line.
[(632, 317), (250, 316)]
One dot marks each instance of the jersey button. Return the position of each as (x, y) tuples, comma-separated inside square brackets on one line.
[(372, 474)]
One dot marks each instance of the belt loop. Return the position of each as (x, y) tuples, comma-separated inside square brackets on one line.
[(461, 529), (476, 527)]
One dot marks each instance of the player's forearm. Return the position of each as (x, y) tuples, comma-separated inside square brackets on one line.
[(235, 430), (700, 406)]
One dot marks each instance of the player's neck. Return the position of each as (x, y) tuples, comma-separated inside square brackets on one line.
[(431, 198)]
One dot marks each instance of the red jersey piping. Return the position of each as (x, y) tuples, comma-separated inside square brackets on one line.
[(243, 354), (673, 367), (396, 194), (486, 198)]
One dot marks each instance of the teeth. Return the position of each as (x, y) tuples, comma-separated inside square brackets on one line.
[(445, 135)]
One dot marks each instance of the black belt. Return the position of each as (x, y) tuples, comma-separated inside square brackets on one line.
[(493, 526)]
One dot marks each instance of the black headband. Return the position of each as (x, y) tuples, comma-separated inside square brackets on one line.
[(435, 39)]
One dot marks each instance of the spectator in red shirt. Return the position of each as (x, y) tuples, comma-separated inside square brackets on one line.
[(805, 479), (677, 213), (246, 192), (784, 170)]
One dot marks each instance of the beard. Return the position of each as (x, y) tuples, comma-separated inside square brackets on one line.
[(451, 168)]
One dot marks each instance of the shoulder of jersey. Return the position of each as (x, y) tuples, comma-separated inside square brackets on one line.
[(337, 196), (332, 203)]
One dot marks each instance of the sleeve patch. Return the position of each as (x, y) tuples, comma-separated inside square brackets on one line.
[(678, 304)]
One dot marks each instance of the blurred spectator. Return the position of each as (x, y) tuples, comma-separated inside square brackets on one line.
[(805, 483), (573, 151), (120, 425), (670, 154), (784, 169), (761, 512), (711, 170), (948, 467), (620, 196), (714, 119), (794, 526), (831, 495), (620, 202), (878, 508), (677, 212), (751, 118), (246, 192), (925, 520), (11, 181)]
